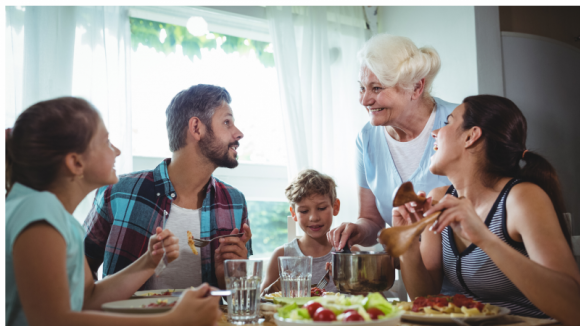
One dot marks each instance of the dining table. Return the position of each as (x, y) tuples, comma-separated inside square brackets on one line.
[(500, 321)]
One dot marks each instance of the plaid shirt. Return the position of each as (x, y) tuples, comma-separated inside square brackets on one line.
[(126, 214)]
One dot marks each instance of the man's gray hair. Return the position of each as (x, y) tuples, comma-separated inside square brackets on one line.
[(198, 101)]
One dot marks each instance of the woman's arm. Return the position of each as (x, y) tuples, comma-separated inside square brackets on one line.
[(421, 264), (122, 285), (272, 274), (40, 269), (550, 277), (364, 231)]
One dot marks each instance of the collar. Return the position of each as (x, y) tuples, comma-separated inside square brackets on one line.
[(164, 187)]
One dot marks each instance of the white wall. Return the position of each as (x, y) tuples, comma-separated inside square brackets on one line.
[(451, 31)]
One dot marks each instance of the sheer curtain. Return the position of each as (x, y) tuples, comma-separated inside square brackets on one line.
[(72, 51), (315, 52)]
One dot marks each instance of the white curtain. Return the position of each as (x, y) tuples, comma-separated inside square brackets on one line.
[(315, 52), (72, 51)]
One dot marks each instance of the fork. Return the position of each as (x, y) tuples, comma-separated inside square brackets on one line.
[(324, 281), (202, 243)]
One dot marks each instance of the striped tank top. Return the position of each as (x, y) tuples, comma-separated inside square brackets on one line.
[(476, 274)]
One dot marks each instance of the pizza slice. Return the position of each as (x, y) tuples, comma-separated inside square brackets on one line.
[(191, 243)]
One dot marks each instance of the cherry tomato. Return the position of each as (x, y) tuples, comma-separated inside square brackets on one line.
[(312, 306), (349, 310), (353, 316), (374, 313), (322, 314)]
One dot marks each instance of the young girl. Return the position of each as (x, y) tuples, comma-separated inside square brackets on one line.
[(501, 236), (313, 203), (58, 152)]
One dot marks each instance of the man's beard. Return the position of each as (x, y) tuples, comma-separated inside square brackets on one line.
[(214, 150)]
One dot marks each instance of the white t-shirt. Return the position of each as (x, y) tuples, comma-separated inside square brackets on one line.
[(185, 271), (407, 155)]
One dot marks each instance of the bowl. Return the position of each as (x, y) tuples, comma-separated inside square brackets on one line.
[(362, 272)]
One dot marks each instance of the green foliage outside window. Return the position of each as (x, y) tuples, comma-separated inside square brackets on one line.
[(146, 32), (269, 224)]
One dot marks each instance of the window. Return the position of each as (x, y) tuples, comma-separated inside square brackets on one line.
[(235, 54)]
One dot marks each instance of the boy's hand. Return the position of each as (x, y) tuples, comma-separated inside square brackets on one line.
[(328, 268)]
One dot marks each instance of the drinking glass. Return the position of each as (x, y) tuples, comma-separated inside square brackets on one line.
[(243, 278), (295, 276)]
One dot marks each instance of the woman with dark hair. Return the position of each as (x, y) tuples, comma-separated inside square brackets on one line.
[(501, 236), (58, 152)]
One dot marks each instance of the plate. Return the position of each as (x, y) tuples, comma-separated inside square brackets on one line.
[(135, 306), (148, 293), (393, 321), (444, 319)]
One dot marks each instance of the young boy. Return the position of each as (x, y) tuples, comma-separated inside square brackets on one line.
[(313, 203)]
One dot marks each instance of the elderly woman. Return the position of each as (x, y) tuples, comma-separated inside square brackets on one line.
[(395, 146)]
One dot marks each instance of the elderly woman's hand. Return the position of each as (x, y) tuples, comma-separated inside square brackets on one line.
[(347, 234)]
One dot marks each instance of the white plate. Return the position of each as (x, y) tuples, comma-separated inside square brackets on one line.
[(135, 306), (393, 321), (147, 294), (444, 319)]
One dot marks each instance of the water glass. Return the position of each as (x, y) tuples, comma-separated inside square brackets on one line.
[(295, 276), (243, 278)]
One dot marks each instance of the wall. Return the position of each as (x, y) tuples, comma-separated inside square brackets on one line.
[(541, 77), (451, 31)]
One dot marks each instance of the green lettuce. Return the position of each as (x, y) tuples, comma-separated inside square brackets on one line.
[(376, 300), (300, 314), (285, 311)]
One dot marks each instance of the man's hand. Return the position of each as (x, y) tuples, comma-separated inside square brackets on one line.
[(231, 248), (170, 243)]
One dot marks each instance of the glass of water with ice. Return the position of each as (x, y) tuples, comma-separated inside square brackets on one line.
[(243, 278), (295, 276)]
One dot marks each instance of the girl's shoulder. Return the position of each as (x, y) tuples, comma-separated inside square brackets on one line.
[(26, 206)]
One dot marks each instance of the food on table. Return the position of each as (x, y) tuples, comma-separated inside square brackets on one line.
[(153, 294), (374, 313), (271, 296), (160, 303), (322, 314), (353, 316), (337, 308), (444, 305), (312, 306), (316, 292), (191, 243)]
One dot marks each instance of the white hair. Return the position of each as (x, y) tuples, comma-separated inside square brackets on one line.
[(396, 61)]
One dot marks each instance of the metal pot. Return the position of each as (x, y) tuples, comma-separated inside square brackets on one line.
[(362, 272)]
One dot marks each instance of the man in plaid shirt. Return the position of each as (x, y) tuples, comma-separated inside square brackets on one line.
[(181, 190)]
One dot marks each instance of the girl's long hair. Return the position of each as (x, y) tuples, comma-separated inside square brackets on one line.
[(504, 130), (41, 138)]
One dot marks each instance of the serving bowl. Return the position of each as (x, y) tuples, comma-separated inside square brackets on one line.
[(362, 272)]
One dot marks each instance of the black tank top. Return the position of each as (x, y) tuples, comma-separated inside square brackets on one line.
[(476, 274)]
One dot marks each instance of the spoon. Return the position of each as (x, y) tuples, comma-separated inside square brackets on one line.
[(398, 239)]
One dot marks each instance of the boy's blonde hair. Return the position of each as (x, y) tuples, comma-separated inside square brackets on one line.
[(310, 182)]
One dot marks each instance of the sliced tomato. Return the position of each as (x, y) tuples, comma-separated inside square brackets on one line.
[(312, 306), (324, 315), (374, 313), (353, 316)]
